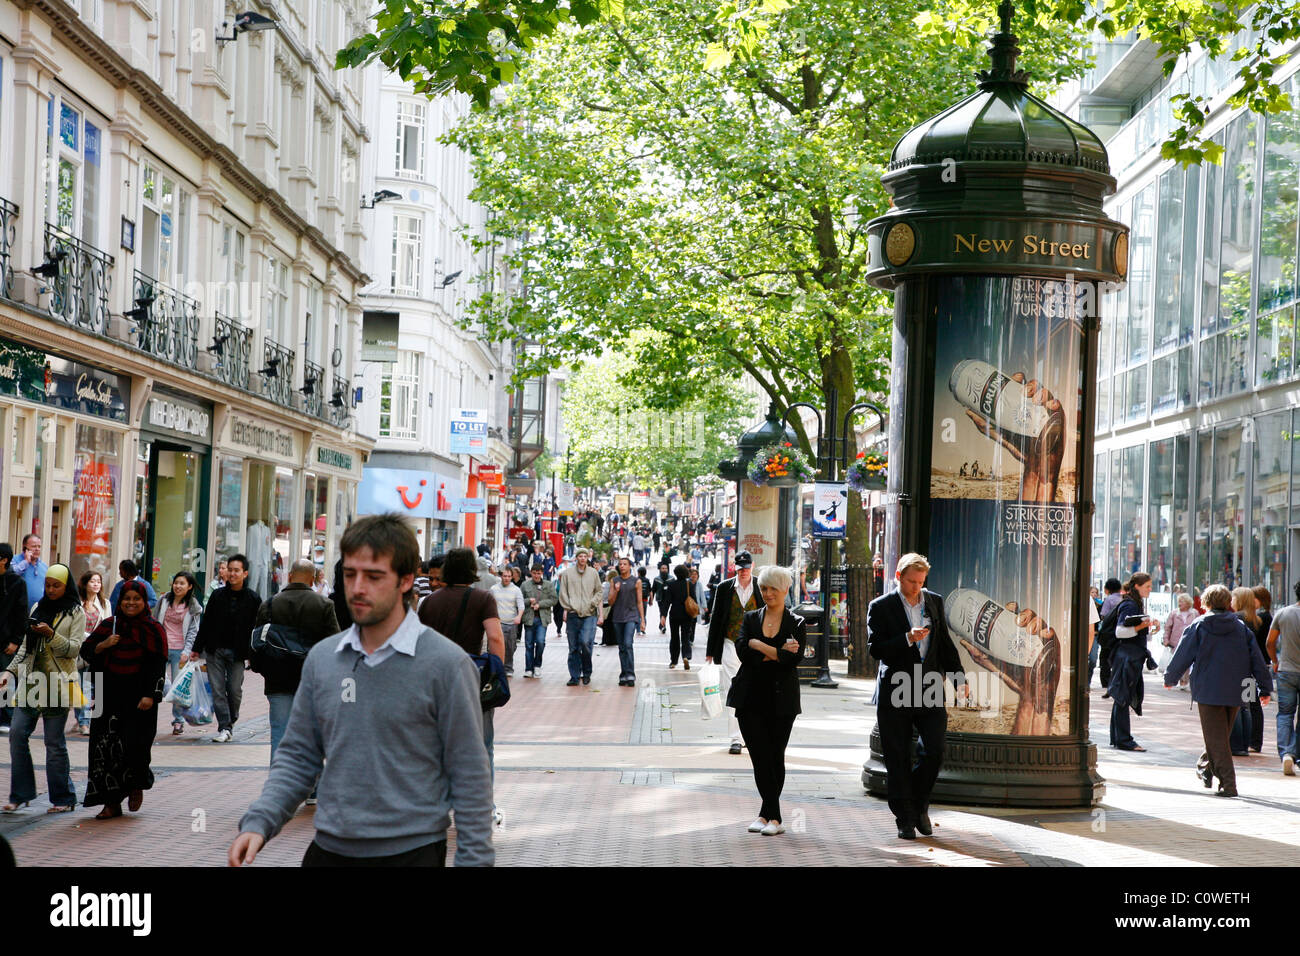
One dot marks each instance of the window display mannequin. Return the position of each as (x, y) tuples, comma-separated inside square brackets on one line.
[(258, 543)]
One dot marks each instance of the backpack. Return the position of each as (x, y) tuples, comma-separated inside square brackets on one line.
[(494, 686), (1106, 630), (276, 647)]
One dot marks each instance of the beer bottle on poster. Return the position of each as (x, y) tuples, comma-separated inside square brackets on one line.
[(1000, 400), (991, 627)]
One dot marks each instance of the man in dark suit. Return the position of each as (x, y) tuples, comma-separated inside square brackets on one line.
[(734, 597), (907, 632)]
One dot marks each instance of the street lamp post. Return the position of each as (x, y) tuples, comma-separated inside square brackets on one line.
[(832, 465)]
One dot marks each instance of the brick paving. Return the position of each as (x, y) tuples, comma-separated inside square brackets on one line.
[(603, 775)]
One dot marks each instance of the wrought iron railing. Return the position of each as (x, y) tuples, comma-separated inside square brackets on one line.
[(232, 344), (340, 401), (313, 402), (167, 322), (8, 229), (277, 373), (78, 294)]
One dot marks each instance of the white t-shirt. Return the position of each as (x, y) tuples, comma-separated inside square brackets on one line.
[(510, 601)]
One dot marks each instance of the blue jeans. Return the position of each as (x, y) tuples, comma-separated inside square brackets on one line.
[(1288, 692), (1120, 734), (534, 642), (173, 668), (581, 632), (1093, 656), (22, 776), (280, 707), (626, 631)]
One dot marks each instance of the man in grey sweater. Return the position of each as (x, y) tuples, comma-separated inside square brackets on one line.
[(388, 715)]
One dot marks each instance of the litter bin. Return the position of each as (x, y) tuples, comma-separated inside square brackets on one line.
[(810, 668)]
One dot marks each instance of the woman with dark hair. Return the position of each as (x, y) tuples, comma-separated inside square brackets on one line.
[(179, 612), (681, 623), (1132, 629), (42, 668), (130, 649)]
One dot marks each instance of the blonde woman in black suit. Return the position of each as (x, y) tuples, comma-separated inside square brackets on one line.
[(765, 692)]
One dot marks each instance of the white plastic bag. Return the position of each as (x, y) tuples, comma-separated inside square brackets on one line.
[(182, 689), (200, 711), (711, 702)]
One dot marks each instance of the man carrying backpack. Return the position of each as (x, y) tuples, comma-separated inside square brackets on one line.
[(299, 618)]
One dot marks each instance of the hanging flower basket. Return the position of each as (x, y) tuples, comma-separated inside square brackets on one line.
[(869, 472), (782, 466)]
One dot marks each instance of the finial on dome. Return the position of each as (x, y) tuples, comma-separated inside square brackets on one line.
[(1003, 53)]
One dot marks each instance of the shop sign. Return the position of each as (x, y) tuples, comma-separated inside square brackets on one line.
[(262, 439), (491, 476), (173, 415), (471, 506), (333, 458), (416, 494), (36, 376), (379, 336), (640, 500)]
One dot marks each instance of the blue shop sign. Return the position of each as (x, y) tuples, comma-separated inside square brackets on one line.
[(36, 376), (416, 494)]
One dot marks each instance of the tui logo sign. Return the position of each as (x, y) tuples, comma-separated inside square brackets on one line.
[(417, 494)]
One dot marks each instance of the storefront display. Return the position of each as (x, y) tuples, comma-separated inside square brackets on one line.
[(171, 515), (331, 476)]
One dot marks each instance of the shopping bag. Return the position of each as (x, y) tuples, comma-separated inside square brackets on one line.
[(182, 689), (72, 691), (710, 691), (200, 711)]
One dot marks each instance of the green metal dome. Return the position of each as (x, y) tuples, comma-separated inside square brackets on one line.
[(771, 432), (1003, 122)]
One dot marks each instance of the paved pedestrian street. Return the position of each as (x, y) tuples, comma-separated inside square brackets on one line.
[(603, 775)]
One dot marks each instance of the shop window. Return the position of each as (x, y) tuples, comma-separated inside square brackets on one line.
[(1229, 522), (1167, 512), (1269, 504), (96, 482), (1204, 500), (230, 488), (1128, 542), (269, 526)]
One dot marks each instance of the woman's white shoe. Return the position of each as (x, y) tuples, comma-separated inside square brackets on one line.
[(773, 828), (757, 826)]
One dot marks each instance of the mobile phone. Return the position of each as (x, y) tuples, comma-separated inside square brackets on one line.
[(32, 622)]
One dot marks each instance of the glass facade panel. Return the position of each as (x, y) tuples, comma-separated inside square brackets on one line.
[(1167, 512), (1136, 394), (1275, 346), (1238, 222), (1269, 504), (1278, 220), (1141, 243), (1171, 381), (1227, 548), (1232, 361), (1210, 248), (1204, 497), (1132, 483), (1169, 263)]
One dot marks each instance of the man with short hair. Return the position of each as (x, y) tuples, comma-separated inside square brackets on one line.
[(733, 598), (223, 639), (627, 612), (312, 617), (907, 631), (128, 571), (580, 596), (485, 549), (510, 609), (1284, 651), (388, 718), (539, 598), (32, 570)]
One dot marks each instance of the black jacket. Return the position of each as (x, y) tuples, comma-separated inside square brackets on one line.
[(720, 615), (13, 609), (228, 621), (301, 607), (340, 598), (766, 685), (887, 629)]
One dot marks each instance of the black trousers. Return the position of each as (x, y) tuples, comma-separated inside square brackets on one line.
[(1107, 645), (682, 631), (766, 735), (910, 784), (431, 854)]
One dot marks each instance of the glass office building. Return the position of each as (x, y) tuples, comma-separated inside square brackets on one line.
[(1198, 386)]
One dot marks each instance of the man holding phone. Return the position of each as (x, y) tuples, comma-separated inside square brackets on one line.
[(31, 568), (907, 632)]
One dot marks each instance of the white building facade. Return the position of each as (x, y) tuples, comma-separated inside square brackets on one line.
[(180, 237)]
